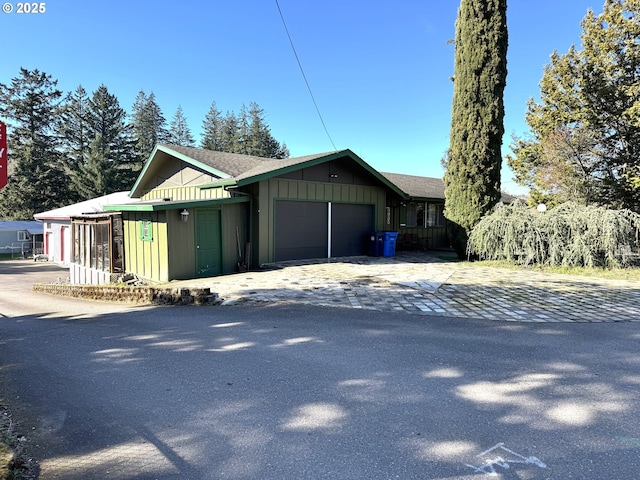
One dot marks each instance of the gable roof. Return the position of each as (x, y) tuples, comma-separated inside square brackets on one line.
[(93, 205), (239, 169), (228, 164)]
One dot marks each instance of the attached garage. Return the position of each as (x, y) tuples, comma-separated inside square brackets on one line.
[(201, 213), (321, 229)]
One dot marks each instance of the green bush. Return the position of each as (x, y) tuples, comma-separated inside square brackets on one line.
[(567, 235)]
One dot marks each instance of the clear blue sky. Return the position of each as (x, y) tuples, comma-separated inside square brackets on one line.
[(379, 71)]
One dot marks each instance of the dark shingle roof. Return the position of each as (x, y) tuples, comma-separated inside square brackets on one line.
[(426, 187), (272, 165), (417, 187), (239, 166), (233, 164)]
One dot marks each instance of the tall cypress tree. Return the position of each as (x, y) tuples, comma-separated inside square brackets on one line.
[(472, 177)]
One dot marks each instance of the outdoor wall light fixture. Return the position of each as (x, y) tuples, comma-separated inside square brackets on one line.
[(184, 215)]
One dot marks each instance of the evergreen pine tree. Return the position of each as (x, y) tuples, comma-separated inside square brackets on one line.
[(229, 133), (38, 182), (75, 134), (246, 133), (585, 130), (472, 177), (243, 140), (179, 132), (97, 176), (260, 141), (109, 166), (212, 129), (148, 125)]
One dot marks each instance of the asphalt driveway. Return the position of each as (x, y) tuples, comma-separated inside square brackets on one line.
[(262, 391)]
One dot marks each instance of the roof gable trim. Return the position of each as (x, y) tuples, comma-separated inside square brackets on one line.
[(179, 156), (317, 161)]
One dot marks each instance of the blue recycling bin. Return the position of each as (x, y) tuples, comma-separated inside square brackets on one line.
[(389, 244), (376, 244)]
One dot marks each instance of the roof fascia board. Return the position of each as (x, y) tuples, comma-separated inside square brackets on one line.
[(195, 163), (154, 207), (320, 160), (143, 172), (226, 183), (179, 156), (290, 168)]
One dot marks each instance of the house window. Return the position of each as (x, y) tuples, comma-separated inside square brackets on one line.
[(145, 229), (435, 215), (23, 236), (419, 214), (414, 214)]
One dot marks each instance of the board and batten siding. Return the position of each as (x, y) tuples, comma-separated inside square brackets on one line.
[(181, 255), (150, 257), (185, 194), (235, 215), (285, 189)]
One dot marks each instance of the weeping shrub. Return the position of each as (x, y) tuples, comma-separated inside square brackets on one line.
[(567, 235)]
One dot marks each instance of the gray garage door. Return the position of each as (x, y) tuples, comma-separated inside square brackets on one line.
[(302, 229), (350, 228)]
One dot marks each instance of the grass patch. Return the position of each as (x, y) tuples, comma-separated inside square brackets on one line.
[(447, 256), (631, 273)]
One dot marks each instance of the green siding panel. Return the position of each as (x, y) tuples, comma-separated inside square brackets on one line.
[(147, 259)]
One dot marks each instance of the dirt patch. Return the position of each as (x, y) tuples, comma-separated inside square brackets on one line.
[(15, 462)]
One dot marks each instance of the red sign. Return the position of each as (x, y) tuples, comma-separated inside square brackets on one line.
[(3, 155)]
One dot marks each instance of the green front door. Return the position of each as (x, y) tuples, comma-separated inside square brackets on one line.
[(208, 242)]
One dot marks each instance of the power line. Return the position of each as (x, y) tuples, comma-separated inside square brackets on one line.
[(304, 76)]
